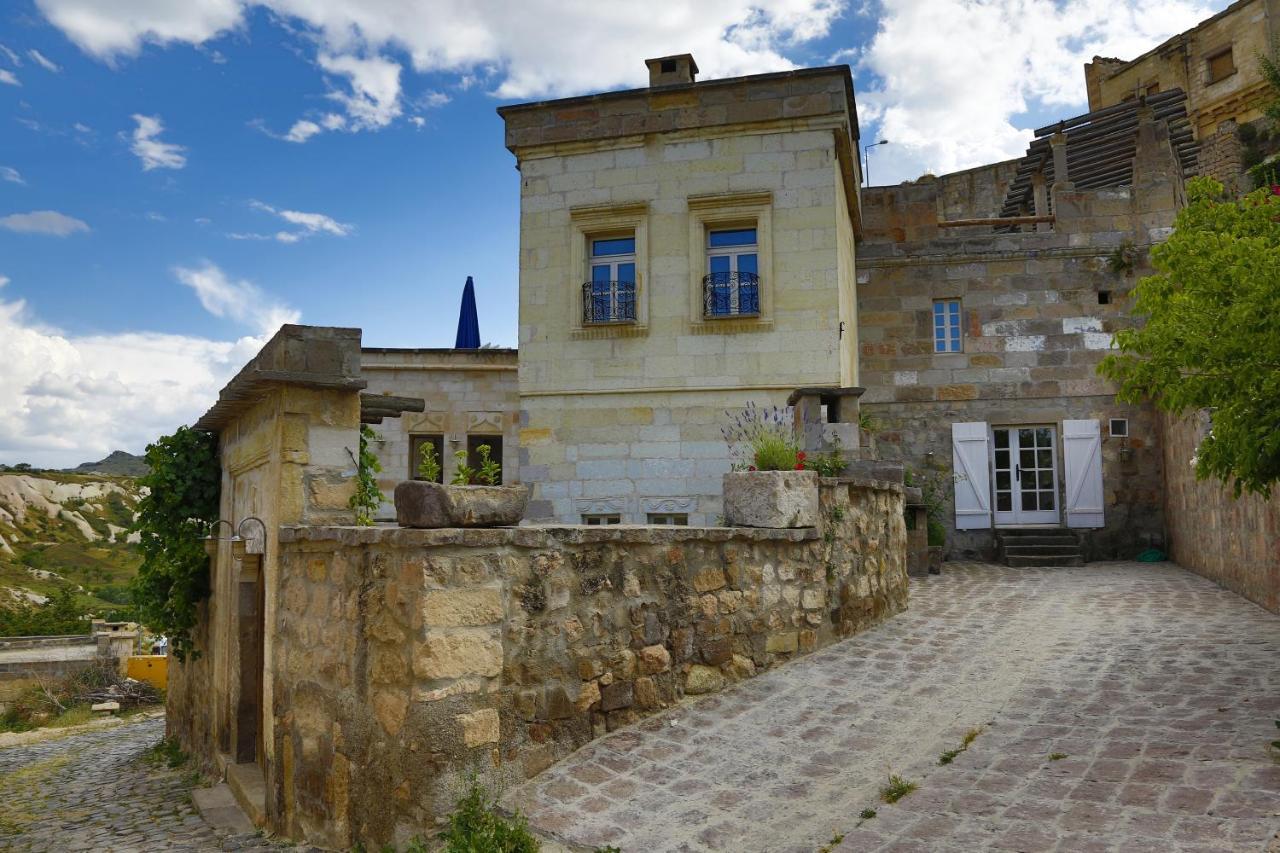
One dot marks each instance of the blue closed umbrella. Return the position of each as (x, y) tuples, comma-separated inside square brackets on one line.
[(468, 319)]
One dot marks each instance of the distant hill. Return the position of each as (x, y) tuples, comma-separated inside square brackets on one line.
[(118, 464), (61, 530)]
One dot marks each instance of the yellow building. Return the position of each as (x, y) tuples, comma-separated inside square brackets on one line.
[(684, 249), (1216, 64)]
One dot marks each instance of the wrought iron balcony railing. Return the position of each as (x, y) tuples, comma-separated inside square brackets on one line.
[(731, 294), (608, 302)]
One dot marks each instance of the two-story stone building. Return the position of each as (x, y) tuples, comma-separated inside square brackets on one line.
[(684, 249)]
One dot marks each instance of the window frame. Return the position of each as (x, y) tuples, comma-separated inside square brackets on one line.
[(726, 212), (1124, 429), (1228, 51), (673, 519), (601, 519), (614, 263), (952, 332), (597, 222), (734, 255)]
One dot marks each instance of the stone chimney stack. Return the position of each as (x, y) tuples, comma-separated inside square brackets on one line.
[(671, 70)]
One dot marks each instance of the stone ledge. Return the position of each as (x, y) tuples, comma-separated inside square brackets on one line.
[(539, 536)]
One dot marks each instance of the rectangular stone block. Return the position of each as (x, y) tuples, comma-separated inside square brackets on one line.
[(479, 727), (457, 654), (784, 643)]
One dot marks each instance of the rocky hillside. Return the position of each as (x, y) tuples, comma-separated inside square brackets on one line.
[(62, 530)]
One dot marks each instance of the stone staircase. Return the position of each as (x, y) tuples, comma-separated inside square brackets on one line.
[(1039, 546)]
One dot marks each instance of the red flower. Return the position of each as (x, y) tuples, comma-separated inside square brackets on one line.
[(799, 466), (800, 455), (1275, 189), (751, 467)]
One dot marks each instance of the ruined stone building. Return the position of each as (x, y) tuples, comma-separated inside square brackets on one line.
[(1216, 64)]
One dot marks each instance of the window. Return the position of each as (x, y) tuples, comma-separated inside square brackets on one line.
[(416, 443), (946, 325), (668, 66), (594, 519), (1104, 297), (732, 284), (1220, 65), (678, 519), (610, 294), (1119, 428), (1153, 89), (494, 443)]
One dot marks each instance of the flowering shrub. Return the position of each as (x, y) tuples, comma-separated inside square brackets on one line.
[(761, 439)]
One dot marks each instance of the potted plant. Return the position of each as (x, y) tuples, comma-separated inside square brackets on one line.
[(475, 497), (769, 485)]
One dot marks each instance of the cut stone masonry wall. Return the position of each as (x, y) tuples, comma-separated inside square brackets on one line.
[(406, 659)]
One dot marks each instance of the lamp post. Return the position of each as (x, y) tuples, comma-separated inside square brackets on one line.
[(866, 159)]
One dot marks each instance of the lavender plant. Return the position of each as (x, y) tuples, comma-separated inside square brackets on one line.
[(761, 439)]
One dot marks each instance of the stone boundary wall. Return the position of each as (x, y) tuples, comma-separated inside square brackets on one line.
[(1232, 541), (405, 660), (24, 660)]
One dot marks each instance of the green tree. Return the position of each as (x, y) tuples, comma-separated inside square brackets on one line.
[(1211, 339), (61, 614), (175, 514)]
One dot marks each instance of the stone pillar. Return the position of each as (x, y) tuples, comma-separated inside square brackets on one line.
[(1061, 180), (1040, 197)]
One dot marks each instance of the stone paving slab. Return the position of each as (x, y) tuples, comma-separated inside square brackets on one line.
[(1122, 707), (93, 791)]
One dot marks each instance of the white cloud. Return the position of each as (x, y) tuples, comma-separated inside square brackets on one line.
[(68, 398), (310, 223), (7, 76), (153, 153), (954, 76), (12, 175), (302, 130), (14, 59), (238, 300), (48, 222), (530, 49), (43, 61)]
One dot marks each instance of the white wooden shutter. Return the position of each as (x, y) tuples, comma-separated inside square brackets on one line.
[(1082, 449), (971, 467)]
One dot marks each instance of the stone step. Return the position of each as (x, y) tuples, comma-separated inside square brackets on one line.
[(220, 809), (1021, 550), (1032, 541), (1044, 562), (250, 789)]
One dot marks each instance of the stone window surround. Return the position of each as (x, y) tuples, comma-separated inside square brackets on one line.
[(594, 221), (1210, 56), (726, 211)]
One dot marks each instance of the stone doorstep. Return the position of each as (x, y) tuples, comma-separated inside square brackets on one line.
[(247, 784), (218, 807)]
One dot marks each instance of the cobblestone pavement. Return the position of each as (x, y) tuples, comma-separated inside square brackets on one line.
[(92, 791), (1122, 707)]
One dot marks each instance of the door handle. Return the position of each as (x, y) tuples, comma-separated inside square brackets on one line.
[(1017, 473)]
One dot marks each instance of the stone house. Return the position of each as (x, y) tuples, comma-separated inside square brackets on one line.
[(684, 249), (1215, 63)]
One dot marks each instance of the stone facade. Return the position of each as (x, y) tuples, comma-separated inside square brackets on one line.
[(1217, 91), (406, 659), (1233, 541), (624, 418), (1034, 328), (466, 393)]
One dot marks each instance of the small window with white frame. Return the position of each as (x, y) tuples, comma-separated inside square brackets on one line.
[(1119, 428), (599, 518), (731, 287), (678, 519), (609, 295), (946, 325)]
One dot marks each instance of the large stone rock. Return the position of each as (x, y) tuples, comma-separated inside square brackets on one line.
[(703, 679), (770, 498), (423, 504)]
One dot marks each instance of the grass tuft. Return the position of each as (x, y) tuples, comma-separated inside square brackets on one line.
[(476, 826), (896, 788), (1057, 756)]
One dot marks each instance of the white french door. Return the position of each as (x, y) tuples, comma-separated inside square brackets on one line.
[(1025, 464)]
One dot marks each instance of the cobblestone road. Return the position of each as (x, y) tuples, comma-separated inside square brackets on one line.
[(92, 791), (1123, 707)]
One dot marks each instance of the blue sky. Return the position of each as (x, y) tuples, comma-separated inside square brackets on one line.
[(177, 179)]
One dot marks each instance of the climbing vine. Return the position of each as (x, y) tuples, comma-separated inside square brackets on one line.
[(176, 512), (367, 497)]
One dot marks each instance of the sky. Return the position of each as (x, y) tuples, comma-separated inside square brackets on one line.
[(177, 179)]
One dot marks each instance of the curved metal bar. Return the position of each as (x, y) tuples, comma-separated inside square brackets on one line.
[(261, 524), (230, 527)]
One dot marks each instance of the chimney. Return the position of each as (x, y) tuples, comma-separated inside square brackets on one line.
[(671, 70)]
